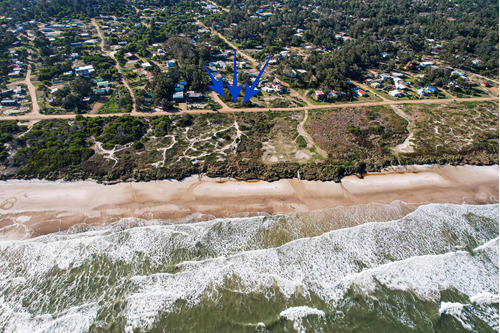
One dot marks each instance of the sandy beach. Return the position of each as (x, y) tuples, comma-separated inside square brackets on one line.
[(35, 207)]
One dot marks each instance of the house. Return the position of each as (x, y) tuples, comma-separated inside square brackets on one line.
[(9, 102), (409, 66), (52, 102), (384, 54), (362, 93), (178, 96), (375, 85), (220, 64), (400, 85), (6, 93), (268, 89), (318, 94), (180, 86), (459, 74), (145, 65), (383, 77), (171, 63), (102, 84), (148, 98), (278, 88), (485, 84), (193, 95), (123, 43), (20, 91), (102, 91), (333, 94), (161, 52), (243, 64), (129, 55), (397, 93), (150, 76), (85, 70), (422, 92), (426, 63), (430, 89), (90, 42)]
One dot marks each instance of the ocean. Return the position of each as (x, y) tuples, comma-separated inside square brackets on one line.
[(366, 268)]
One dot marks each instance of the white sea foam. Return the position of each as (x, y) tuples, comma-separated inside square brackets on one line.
[(75, 319), (484, 298), (451, 308), (297, 315), (455, 310), (320, 265), (480, 307), (317, 265), (427, 276)]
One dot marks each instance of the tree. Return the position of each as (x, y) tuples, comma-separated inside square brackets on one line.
[(82, 87), (70, 102)]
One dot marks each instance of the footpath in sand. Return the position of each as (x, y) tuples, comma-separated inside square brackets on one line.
[(34, 207)]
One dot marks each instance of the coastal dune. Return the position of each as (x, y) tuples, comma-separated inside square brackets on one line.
[(33, 207)]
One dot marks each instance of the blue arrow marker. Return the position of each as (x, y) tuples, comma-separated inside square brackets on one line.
[(251, 91), (235, 88), (217, 86)]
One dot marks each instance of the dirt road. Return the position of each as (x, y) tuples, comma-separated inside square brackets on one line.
[(214, 4), (118, 67), (365, 87), (35, 115), (35, 108), (232, 110), (241, 53), (256, 63)]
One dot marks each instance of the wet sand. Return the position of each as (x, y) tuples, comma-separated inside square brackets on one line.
[(35, 207)]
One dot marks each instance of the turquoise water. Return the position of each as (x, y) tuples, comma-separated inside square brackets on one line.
[(368, 268)]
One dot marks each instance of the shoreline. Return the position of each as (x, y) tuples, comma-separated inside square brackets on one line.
[(30, 208)]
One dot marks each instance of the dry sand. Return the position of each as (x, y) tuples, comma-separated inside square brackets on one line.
[(34, 207)]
